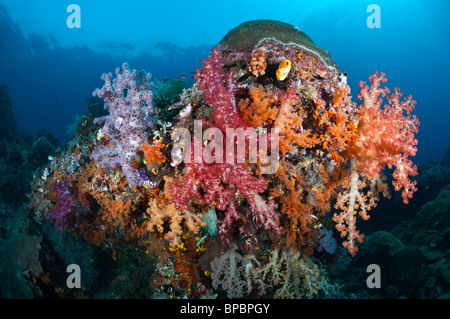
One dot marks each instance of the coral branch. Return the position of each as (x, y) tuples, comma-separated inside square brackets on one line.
[(157, 213), (226, 273), (130, 108), (218, 91), (153, 154), (386, 134), (349, 201)]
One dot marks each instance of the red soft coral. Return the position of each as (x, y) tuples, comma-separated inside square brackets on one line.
[(218, 91), (220, 184)]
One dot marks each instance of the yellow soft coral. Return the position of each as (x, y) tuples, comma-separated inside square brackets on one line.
[(158, 212)]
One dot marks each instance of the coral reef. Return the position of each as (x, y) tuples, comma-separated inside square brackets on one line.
[(20, 259), (173, 186)]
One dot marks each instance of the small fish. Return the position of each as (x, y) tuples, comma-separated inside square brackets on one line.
[(283, 70), (183, 76), (343, 79), (241, 240), (186, 111)]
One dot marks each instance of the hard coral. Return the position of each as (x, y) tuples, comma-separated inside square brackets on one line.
[(248, 35)]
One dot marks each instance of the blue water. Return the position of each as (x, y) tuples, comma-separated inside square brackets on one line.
[(51, 69)]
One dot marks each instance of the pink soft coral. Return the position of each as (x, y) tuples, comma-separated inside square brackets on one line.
[(386, 135), (218, 88)]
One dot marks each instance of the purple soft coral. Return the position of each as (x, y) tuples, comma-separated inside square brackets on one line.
[(326, 241), (130, 113), (65, 210)]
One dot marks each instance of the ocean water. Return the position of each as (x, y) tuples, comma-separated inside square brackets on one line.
[(72, 194)]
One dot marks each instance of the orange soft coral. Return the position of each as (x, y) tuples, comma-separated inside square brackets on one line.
[(350, 201), (111, 201), (305, 199), (261, 109), (257, 64), (153, 154), (339, 133), (115, 212), (341, 92), (383, 136), (386, 134), (289, 124), (158, 212)]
